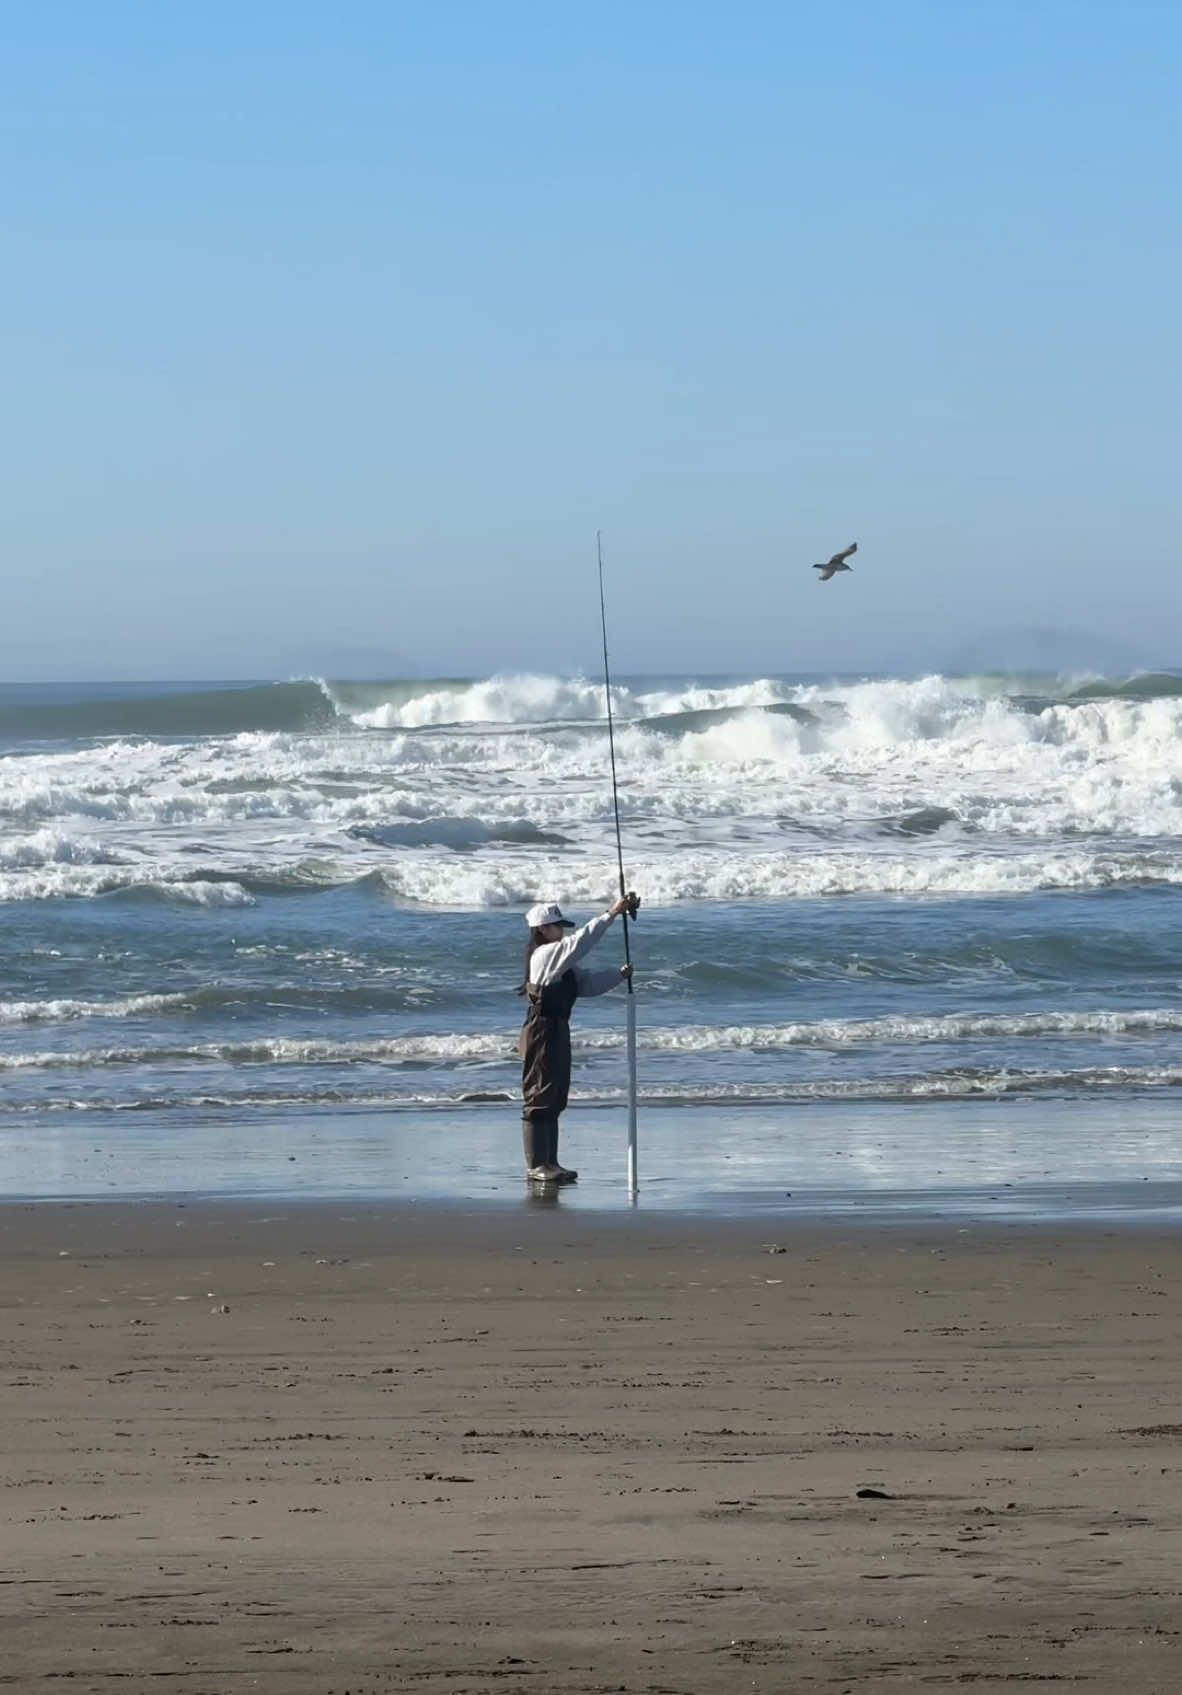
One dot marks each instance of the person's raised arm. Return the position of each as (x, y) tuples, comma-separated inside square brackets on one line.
[(553, 958)]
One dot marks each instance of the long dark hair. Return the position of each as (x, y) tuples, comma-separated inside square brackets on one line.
[(536, 940)]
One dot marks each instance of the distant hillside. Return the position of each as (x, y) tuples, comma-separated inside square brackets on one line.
[(1034, 649)]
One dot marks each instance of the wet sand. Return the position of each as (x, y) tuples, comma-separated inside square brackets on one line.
[(303, 1450), (1024, 1157)]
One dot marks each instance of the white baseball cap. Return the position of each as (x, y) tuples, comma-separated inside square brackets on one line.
[(539, 916)]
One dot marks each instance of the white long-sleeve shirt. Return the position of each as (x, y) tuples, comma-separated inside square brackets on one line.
[(548, 962)]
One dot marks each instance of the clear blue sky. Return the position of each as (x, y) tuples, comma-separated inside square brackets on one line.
[(334, 331)]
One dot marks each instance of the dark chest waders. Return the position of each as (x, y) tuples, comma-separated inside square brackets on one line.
[(545, 1066)]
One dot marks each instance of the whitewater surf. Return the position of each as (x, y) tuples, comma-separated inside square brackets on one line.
[(306, 894)]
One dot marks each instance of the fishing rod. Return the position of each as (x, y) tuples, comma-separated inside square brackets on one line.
[(611, 744)]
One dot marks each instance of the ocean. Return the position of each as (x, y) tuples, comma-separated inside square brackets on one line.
[(272, 908)]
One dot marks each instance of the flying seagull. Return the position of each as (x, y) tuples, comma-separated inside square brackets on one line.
[(838, 563)]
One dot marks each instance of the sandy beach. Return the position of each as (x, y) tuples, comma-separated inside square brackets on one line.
[(327, 1449)]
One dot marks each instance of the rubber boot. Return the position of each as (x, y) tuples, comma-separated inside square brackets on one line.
[(539, 1139), (530, 1142), (565, 1175)]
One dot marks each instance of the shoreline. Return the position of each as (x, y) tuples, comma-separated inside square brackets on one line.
[(139, 1219), (975, 1160), (1068, 1210)]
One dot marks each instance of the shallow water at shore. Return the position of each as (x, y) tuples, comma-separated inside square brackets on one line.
[(1021, 1159), (245, 925)]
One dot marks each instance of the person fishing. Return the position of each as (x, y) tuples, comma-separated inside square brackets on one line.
[(553, 982)]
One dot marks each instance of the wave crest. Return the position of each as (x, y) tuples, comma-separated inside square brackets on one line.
[(483, 1048)]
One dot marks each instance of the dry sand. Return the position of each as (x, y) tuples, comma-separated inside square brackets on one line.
[(522, 1450)]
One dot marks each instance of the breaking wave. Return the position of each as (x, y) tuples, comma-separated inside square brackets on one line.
[(312, 704), (69, 882), (267, 999), (466, 880), (246, 889), (191, 712), (63, 1008), (489, 1047), (1146, 685), (960, 1083), (765, 790), (721, 875)]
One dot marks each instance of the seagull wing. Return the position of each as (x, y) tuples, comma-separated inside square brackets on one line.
[(840, 558)]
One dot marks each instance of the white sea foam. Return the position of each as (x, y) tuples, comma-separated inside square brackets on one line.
[(54, 882), (726, 793), (954, 1084), (278, 1050), (50, 847), (499, 1047), (839, 1033), (722, 875), (63, 1009), (531, 699)]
